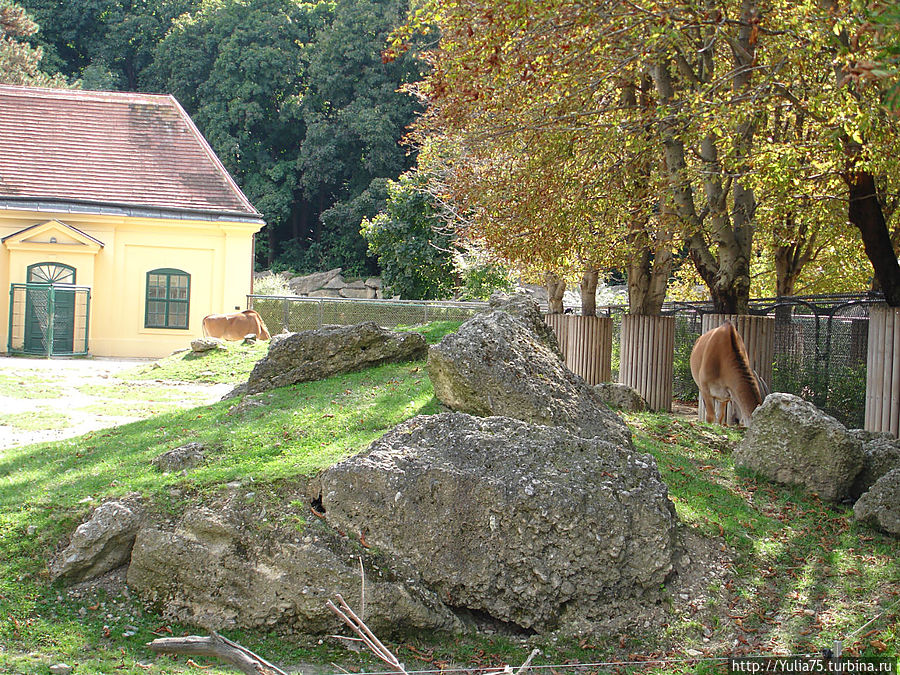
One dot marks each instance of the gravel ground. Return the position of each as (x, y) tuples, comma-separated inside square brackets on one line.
[(68, 376)]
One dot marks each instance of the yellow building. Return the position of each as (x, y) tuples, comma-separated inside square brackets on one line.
[(119, 227)]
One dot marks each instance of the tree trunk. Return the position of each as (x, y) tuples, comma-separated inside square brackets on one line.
[(648, 276), (556, 288), (589, 293), (866, 215)]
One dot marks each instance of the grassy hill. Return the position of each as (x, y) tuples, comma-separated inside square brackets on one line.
[(800, 573)]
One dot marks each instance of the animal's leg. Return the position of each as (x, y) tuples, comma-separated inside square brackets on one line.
[(709, 405), (722, 412)]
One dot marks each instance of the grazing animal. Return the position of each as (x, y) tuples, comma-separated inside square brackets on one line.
[(235, 326), (721, 369)]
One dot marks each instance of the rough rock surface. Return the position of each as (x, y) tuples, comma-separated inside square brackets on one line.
[(881, 455), (528, 524), (100, 544), (506, 362), (205, 344), (880, 506), (791, 441), (621, 396), (184, 457), (317, 354), (221, 567)]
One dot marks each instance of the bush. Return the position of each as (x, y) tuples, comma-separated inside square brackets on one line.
[(413, 250)]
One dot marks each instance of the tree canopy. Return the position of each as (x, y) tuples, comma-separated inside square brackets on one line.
[(20, 62), (611, 127)]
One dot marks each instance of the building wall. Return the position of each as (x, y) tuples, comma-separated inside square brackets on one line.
[(216, 255)]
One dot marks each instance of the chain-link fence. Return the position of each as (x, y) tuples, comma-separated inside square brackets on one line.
[(820, 341), (820, 349), (295, 314)]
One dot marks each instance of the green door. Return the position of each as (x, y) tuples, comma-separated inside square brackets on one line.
[(49, 294)]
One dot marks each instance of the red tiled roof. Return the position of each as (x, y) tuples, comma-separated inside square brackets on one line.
[(109, 148)]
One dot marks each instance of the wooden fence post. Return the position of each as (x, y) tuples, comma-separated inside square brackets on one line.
[(883, 370), (646, 356), (560, 326), (589, 347), (758, 334)]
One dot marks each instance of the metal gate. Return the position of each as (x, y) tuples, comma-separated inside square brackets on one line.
[(48, 319)]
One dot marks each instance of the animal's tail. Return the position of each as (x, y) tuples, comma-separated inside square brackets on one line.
[(743, 363), (205, 331)]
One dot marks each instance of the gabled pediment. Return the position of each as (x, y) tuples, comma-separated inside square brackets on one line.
[(53, 233)]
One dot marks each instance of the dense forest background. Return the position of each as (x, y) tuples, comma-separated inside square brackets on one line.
[(294, 97)]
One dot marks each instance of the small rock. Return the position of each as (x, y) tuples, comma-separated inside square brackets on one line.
[(205, 344), (61, 669)]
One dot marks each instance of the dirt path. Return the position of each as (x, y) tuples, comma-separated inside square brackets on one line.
[(80, 395)]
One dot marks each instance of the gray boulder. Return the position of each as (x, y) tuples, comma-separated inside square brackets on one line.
[(881, 455), (205, 344), (216, 567), (184, 457), (880, 506), (311, 282), (528, 524), (621, 396), (506, 362), (791, 441), (317, 354), (100, 544)]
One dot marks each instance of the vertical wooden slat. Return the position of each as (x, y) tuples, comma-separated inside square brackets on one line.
[(559, 324), (871, 364), (647, 351), (892, 423), (888, 344)]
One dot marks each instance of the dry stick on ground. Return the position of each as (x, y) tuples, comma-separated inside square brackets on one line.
[(219, 647), (375, 645)]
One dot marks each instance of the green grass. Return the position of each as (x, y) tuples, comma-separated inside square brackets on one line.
[(34, 384), (40, 420), (217, 366), (790, 551)]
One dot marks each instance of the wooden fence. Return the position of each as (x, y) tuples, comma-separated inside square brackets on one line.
[(585, 343), (646, 356), (883, 370)]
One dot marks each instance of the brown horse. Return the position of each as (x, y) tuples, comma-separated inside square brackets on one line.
[(235, 326), (722, 371)]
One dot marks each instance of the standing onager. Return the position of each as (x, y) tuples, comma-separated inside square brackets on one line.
[(235, 326), (721, 369)]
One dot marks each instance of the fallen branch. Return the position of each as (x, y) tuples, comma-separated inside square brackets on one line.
[(358, 626), (218, 647)]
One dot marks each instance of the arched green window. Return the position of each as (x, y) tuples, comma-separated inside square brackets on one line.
[(168, 299)]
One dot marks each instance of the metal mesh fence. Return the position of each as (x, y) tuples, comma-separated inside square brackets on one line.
[(295, 314), (820, 349), (48, 319), (820, 342)]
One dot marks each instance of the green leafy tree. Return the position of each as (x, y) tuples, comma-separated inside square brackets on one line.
[(20, 63), (354, 117), (106, 43), (413, 249), (237, 67)]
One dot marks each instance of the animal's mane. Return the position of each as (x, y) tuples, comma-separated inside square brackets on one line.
[(743, 362)]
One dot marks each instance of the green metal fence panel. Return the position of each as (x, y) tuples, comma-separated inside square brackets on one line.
[(48, 319)]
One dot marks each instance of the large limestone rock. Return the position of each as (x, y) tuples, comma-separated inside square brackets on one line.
[(100, 544), (506, 362), (218, 568), (791, 441), (881, 455), (317, 354), (311, 282), (530, 525), (880, 506)]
